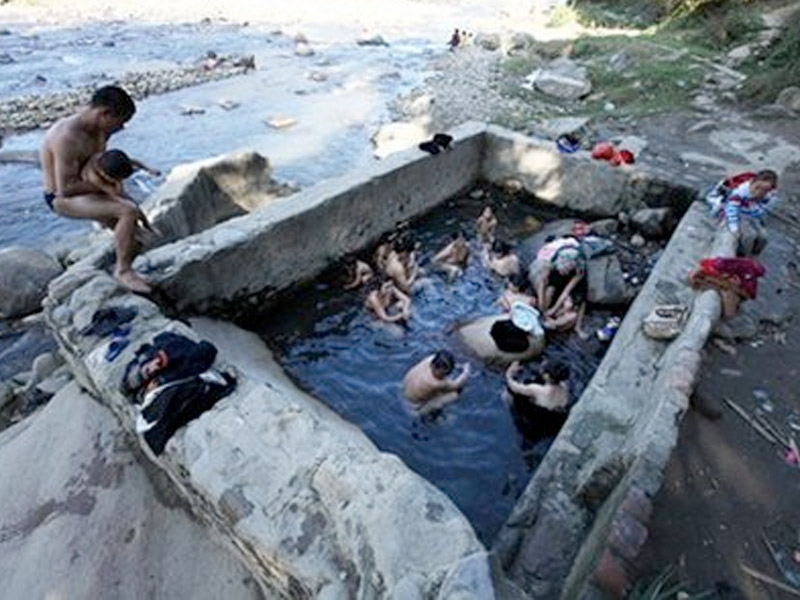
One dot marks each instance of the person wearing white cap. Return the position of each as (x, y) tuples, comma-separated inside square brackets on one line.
[(503, 339)]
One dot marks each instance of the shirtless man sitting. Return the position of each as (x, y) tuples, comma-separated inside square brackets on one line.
[(67, 148), (388, 303), (452, 259), (426, 384), (501, 259), (401, 263), (361, 273), (486, 225)]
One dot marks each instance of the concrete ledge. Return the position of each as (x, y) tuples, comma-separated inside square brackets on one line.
[(620, 434), (309, 502), (205, 274), (575, 181)]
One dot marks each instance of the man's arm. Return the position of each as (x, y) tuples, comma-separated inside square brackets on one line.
[(67, 172), (567, 291), (529, 390), (732, 207), (454, 385)]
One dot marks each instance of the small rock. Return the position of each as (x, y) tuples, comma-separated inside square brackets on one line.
[(303, 50), (281, 122), (604, 227), (374, 40), (488, 41), (609, 106), (740, 53), (532, 224), (6, 58), (772, 111), (192, 110), (512, 185), (300, 38), (789, 98), (317, 76), (654, 223), (637, 241), (109, 43), (704, 125), (477, 194), (621, 61), (561, 78), (228, 104), (5, 31)]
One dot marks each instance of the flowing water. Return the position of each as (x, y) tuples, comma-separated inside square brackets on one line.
[(338, 97), (332, 347)]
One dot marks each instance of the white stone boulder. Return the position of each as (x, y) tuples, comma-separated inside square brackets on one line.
[(563, 79)]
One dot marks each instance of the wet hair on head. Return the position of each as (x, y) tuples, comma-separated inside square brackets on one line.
[(501, 247), (557, 370), (115, 99), (443, 361), (116, 164), (404, 243), (767, 175), (518, 280)]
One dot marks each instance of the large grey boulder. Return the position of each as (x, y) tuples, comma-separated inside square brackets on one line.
[(24, 275), (605, 282), (82, 518), (563, 79), (202, 194)]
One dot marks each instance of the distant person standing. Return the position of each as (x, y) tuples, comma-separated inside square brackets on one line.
[(68, 146)]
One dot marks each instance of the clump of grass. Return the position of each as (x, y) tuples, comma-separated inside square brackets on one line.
[(717, 25), (562, 15)]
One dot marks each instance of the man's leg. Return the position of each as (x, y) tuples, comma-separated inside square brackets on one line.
[(104, 209)]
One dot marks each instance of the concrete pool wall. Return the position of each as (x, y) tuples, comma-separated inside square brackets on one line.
[(306, 498)]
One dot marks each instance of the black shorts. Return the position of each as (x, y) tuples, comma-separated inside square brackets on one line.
[(48, 198), (559, 282)]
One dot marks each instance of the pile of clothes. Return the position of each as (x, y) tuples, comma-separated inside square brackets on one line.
[(172, 381), (734, 278)]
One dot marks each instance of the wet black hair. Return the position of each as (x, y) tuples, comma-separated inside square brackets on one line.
[(115, 99), (444, 361), (404, 243), (518, 280), (557, 370), (116, 164), (767, 175), (501, 247), (457, 234)]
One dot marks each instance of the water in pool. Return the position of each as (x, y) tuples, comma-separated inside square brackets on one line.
[(337, 351)]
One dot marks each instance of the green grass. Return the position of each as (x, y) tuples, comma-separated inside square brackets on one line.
[(562, 15), (776, 69)]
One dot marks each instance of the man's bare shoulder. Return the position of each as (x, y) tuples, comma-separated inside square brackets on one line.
[(66, 130)]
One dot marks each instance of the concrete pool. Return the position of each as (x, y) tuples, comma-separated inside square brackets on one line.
[(312, 505)]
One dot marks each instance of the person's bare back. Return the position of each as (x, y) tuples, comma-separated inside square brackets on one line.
[(68, 146)]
